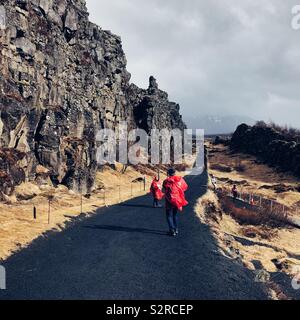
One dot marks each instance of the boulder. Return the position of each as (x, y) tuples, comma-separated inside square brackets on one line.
[(61, 188), (27, 191)]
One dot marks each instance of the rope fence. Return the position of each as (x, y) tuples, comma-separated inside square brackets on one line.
[(259, 203), (107, 197)]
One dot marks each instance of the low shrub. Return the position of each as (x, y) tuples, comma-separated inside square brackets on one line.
[(256, 216)]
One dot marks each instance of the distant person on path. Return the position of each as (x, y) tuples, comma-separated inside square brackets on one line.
[(174, 187), (156, 191), (214, 182), (234, 192)]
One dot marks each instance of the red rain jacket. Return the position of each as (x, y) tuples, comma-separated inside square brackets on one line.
[(156, 190), (174, 192)]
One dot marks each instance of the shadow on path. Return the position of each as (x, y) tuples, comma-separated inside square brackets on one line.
[(135, 205), (127, 229)]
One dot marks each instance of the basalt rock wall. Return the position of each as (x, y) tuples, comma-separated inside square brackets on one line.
[(270, 145), (62, 78)]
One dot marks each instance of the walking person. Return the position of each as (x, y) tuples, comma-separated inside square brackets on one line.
[(214, 182), (234, 192), (156, 191), (174, 187)]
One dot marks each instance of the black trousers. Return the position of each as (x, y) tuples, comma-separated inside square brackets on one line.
[(155, 202), (172, 218)]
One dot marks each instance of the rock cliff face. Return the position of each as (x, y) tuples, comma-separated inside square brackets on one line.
[(152, 109), (62, 78), (272, 146)]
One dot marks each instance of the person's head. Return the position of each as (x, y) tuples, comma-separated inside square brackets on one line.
[(171, 172), (234, 186)]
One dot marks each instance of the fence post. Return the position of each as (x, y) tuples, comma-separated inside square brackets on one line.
[(49, 211), (260, 201), (271, 206), (119, 194), (144, 183), (131, 188), (34, 213)]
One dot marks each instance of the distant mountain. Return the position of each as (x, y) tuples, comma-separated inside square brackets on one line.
[(217, 125)]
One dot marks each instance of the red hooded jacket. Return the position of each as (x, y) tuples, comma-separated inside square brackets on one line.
[(156, 190), (174, 191)]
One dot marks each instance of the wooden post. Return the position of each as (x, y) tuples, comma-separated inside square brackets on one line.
[(131, 188), (81, 203), (119, 194), (104, 197), (260, 201), (144, 183), (271, 206), (49, 212), (34, 213)]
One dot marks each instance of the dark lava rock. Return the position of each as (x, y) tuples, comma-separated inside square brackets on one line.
[(271, 146), (62, 78), (152, 108)]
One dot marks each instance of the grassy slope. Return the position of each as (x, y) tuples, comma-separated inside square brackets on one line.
[(255, 246), (18, 228)]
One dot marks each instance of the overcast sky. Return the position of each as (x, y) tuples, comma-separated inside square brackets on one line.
[(219, 57)]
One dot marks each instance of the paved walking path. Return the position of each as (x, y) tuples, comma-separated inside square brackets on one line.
[(124, 252)]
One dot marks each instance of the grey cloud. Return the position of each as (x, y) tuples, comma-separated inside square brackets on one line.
[(237, 57)]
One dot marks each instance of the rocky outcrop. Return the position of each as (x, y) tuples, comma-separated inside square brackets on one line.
[(270, 145), (62, 78), (11, 170), (152, 108)]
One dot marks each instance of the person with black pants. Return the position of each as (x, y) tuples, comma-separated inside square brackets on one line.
[(172, 219), (174, 187)]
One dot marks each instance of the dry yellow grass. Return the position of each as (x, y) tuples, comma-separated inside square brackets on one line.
[(259, 253), (262, 248), (256, 175), (18, 228)]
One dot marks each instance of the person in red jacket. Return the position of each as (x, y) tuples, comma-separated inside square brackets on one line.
[(174, 187), (156, 191)]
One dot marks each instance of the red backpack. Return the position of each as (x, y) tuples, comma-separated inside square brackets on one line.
[(156, 190), (174, 192)]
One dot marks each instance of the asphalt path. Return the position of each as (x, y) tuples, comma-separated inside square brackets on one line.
[(124, 252)]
